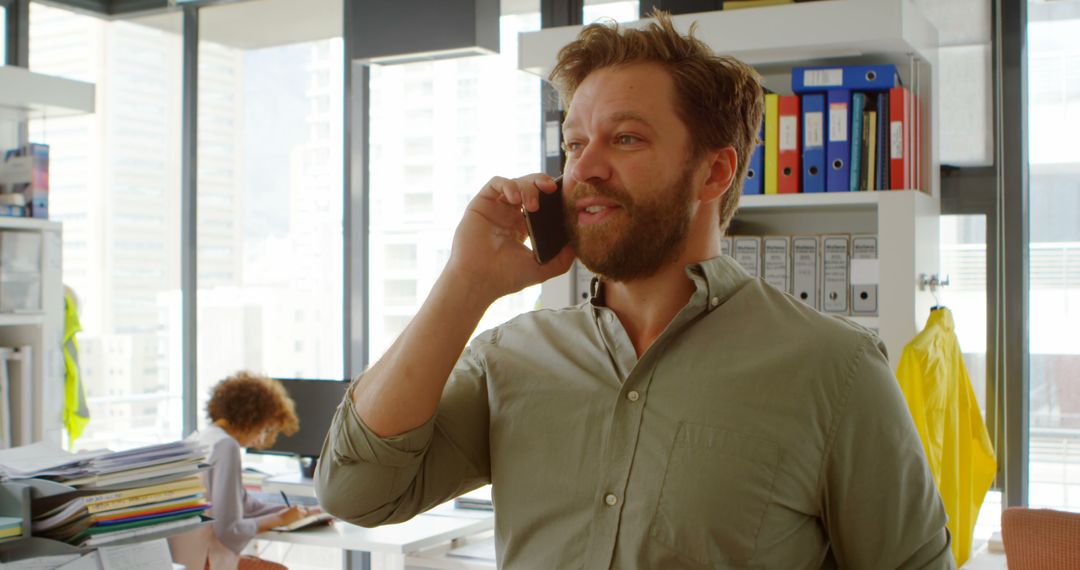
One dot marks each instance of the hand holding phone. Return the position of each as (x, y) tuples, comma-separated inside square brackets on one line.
[(547, 225)]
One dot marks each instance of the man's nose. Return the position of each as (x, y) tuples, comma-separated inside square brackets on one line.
[(592, 164)]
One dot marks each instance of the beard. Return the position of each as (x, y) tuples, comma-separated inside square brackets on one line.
[(648, 234)]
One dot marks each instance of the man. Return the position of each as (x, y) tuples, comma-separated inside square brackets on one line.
[(688, 416)]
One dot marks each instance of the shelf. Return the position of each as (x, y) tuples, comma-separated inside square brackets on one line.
[(30, 224), (826, 200), (15, 319), (27, 94), (781, 36)]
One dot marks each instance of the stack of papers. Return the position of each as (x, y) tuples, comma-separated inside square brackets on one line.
[(108, 516), (10, 527), (118, 495)]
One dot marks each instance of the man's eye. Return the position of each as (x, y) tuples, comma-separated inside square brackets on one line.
[(626, 139), (572, 147)]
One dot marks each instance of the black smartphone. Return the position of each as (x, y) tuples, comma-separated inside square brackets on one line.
[(547, 227)]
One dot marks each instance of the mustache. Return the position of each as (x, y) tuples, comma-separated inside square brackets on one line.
[(586, 190)]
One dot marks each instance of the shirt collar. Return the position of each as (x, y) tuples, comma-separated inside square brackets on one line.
[(715, 281)]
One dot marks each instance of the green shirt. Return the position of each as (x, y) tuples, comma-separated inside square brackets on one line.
[(754, 433)]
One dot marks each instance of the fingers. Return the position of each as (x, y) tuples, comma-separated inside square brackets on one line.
[(523, 191)]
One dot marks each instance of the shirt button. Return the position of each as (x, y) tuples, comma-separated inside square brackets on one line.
[(632, 395), (714, 301), (611, 499)]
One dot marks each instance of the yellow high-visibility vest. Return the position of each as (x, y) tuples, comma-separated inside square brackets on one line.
[(76, 413), (938, 391)]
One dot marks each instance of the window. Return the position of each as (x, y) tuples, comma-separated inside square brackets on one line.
[(618, 10), (269, 215), (963, 260), (1054, 253), (120, 211), (412, 227)]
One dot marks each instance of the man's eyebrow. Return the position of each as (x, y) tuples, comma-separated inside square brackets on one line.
[(621, 116), (616, 117)]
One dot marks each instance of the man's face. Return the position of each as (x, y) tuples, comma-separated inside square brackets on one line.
[(629, 181)]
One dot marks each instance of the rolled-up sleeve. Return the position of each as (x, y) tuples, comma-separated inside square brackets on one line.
[(370, 480), (881, 505)]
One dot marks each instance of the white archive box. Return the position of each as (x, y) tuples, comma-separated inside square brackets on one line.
[(20, 271), (864, 275), (804, 269), (834, 274), (20, 292), (776, 262), (20, 252), (747, 252)]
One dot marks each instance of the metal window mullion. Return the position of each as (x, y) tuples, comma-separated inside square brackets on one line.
[(188, 217), (1013, 237)]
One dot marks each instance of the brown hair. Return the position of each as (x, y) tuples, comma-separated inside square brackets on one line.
[(718, 98), (249, 402)]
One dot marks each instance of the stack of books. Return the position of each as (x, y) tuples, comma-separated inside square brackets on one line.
[(123, 495)]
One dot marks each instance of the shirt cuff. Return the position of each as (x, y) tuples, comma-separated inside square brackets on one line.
[(354, 441)]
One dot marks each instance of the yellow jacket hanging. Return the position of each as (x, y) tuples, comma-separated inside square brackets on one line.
[(938, 391), (76, 413)]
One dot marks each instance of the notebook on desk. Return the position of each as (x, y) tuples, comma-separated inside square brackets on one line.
[(316, 519)]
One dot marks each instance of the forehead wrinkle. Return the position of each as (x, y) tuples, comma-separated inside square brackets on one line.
[(615, 117)]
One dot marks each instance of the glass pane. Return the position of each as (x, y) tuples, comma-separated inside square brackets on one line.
[(963, 259), (1054, 113), (439, 131), (618, 10), (114, 184), (269, 200)]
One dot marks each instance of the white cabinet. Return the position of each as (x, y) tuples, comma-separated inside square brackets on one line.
[(829, 32), (35, 407), (36, 399)]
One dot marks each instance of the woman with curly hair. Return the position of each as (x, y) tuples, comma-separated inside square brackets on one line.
[(245, 410)]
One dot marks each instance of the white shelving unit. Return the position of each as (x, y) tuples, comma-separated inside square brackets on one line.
[(36, 410), (28, 94), (827, 32)]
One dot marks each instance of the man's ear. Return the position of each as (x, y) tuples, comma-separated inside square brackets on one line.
[(722, 164)]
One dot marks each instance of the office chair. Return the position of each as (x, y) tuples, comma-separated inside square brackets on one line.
[(1040, 539)]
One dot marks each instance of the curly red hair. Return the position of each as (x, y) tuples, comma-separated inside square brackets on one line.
[(250, 402)]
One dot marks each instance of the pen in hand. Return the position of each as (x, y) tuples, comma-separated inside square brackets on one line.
[(285, 498)]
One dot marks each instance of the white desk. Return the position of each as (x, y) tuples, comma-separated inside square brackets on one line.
[(392, 543), (423, 531)]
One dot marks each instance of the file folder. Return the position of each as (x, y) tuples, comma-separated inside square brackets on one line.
[(916, 143), (864, 275), (869, 149), (777, 262), (753, 183), (899, 138), (804, 269), (725, 245), (852, 77), (834, 264), (858, 105), (748, 254), (789, 156), (772, 148), (813, 157), (838, 149), (881, 169)]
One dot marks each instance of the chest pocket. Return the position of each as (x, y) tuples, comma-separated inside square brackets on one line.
[(717, 486)]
